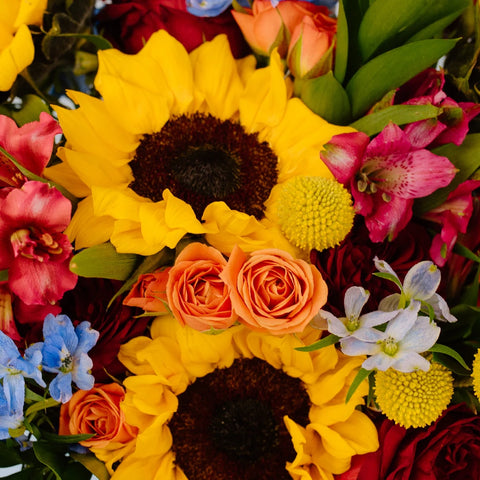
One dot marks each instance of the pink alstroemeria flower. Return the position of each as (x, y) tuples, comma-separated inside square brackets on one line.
[(454, 215), (385, 175), (32, 245), (31, 145), (451, 126)]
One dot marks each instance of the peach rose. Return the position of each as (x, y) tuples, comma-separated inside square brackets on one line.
[(196, 294), (266, 27), (97, 411), (273, 292), (149, 292)]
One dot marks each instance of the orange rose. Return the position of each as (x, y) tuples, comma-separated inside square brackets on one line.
[(310, 52), (273, 292), (266, 27), (97, 411), (149, 292), (196, 294)]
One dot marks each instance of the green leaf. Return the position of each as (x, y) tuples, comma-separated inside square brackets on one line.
[(41, 405), (361, 375), (324, 342), (103, 261), (100, 42), (437, 348), (466, 157), (76, 471), (326, 97), (32, 106), (388, 24), (65, 439), (3, 275), (51, 457), (399, 114), (9, 456), (450, 363), (391, 70), (92, 464), (389, 276), (466, 252)]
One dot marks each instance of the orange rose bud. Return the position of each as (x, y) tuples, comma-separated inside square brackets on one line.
[(149, 292), (273, 292), (97, 411), (310, 53), (263, 28), (196, 294)]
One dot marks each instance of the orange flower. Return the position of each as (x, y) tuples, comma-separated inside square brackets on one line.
[(310, 52), (196, 294), (266, 27), (149, 292), (273, 292), (97, 411)]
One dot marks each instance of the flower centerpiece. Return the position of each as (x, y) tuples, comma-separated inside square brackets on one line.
[(239, 240)]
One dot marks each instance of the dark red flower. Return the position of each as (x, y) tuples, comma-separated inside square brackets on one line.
[(117, 324), (447, 450), (128, 24), (351, 263)]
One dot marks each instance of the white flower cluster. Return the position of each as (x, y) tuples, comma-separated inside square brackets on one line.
[(403, 327)]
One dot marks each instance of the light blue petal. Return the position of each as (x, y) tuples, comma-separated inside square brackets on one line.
[(390, 303), (353, 347), (33, 353), (403, 322), (422, 281), (421, 336), (7, 422), (407, 362), (82, 364), (355, 299), (14, 390), (207, 8), (440, 308), (62, 326), (384, 267), (380, 361), (373, 319), (8, 349), (87, 337), (61, 387), (52, 356), (28, 370)]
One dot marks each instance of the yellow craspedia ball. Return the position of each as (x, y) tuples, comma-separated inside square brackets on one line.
[(414, 399), (315, 212), (476, 374)]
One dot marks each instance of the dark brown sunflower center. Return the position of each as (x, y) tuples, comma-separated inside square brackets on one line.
[(229, 424), (202, 159)]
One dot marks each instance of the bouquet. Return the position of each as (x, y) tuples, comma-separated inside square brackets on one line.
[(239, 240)]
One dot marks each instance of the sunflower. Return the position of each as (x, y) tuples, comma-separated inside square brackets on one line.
[(185, 144), (240, 404), (16, 44)]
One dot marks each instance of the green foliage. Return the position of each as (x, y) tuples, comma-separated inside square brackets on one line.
[(362, 374), (324, 342)]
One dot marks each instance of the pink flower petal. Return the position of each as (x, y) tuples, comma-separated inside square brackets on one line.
[(424, 132), (32, 143), (389, 218), (390, 141), (40, 283), (343, 154)]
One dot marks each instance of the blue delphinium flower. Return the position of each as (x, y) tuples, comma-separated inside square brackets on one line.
[(65, 353), (207, 8), (13, 370)]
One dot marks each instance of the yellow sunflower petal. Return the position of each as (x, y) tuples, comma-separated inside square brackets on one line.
[(238, 228), (8, 14), (265, 98), (298, 149), (217, 78), (30, 12), (155, 440), (86, 229), (119, 204), (15, 57), (173, 60), (65, 176), (128, 355), (127, 237)]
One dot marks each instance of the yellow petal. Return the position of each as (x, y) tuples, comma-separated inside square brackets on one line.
[(298, 148), (128, 355), (155, 440), (217, 78), (86, 228), (15, 57), (127, 237), (119, 204), (30, 12), (265, 98), (63, 174)]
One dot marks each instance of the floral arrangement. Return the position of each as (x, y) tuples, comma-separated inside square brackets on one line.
[(239, 240)]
